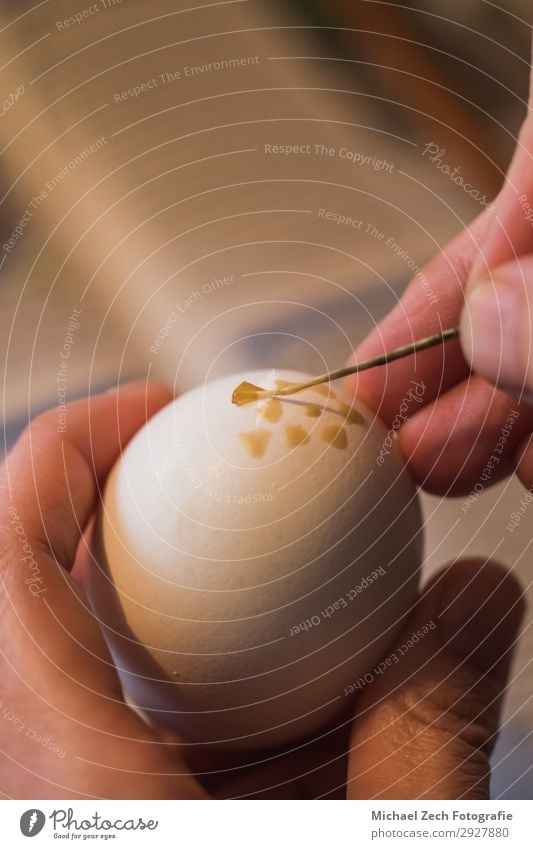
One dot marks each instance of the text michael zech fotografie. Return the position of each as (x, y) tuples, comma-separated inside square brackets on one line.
[(423, 815)]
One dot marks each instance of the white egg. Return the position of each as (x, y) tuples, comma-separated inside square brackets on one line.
[(254, 562)]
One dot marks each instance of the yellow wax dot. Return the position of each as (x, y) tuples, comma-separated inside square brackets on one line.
[(335, 436), (255, 442), (272, 412), (296, 435), (245, 393), (352, 415), (283, 384), (322, 389)]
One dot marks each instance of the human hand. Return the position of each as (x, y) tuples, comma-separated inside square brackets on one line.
[(423, 728), (454, 425), (57, 679), (497, 321)]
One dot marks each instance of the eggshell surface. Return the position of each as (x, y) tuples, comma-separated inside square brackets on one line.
[(254, 562)]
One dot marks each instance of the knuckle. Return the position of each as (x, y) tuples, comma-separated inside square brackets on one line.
[(40, 422), (463, 708), (43, 423)]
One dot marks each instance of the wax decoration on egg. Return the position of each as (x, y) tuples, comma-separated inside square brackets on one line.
[(325, 391), (255, 442), (251, 562), (271, 410), (295, 435), (249, 393), (353, 416), (246, 392), (335, 436)]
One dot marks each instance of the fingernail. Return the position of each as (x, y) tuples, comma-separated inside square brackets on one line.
[(480, 614), (492, 329)]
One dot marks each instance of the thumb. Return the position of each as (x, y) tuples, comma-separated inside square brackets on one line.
[(497, 326), (496, 320), (425, 728)]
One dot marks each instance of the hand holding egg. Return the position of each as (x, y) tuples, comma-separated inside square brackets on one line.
[(255, 561)]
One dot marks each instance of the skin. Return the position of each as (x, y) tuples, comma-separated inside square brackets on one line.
[(496, 323), (491, 262), (425, 728)]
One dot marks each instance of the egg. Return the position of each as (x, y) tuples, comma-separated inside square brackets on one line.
[(254, 563)]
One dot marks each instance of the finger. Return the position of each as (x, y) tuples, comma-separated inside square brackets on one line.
[(497, 325), (53, 474), (431, 302), (309, 769), (448, 409), (425, 729), (58, 679), (49, 490), (496, 322), (509, 234), (466, 440)]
